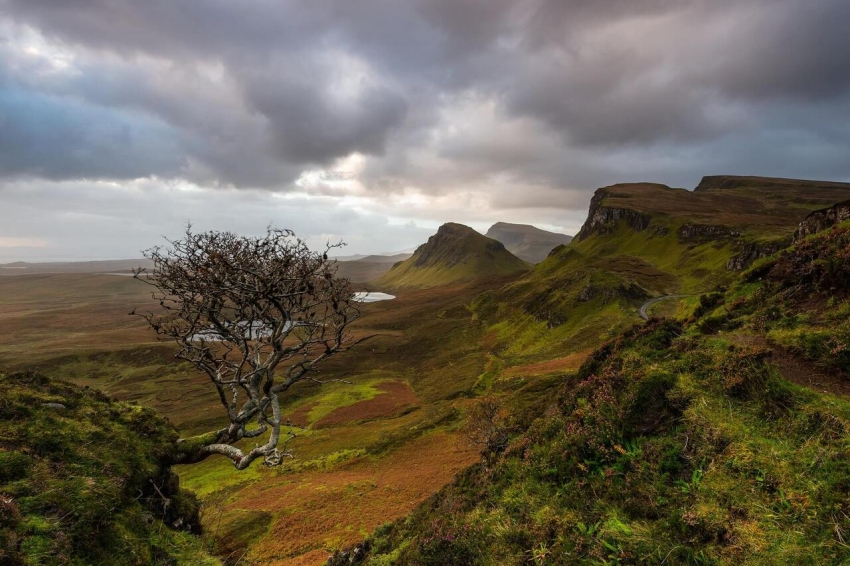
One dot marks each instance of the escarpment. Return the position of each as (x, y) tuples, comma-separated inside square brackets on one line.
[(698, 233), (752, 252), (822, 219), (602, 218)]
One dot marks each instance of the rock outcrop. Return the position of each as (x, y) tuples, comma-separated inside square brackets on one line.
[(700, 233), (601, 219), (751, 252), (823, 219)]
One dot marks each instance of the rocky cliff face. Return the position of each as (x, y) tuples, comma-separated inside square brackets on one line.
[(699, 233), (751, 252), (601, 219), (823, 219)]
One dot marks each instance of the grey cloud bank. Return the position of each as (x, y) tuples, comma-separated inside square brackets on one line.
[(120, 120)]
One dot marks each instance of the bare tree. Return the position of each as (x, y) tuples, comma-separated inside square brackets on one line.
[(489, 429), (257, 315)]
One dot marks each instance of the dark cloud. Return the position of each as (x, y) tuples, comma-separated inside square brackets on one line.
[(56, 138), (785, 49), (317, 114), (502, 105), (329, 78)]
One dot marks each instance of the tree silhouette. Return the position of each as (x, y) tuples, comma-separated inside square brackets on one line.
[(257, 315)]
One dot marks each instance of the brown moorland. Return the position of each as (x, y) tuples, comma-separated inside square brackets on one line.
[(396, 426)]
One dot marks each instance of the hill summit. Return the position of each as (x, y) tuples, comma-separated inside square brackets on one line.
[(454, 254), (527, 242)]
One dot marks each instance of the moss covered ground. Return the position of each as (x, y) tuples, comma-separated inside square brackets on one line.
[(82, 480)]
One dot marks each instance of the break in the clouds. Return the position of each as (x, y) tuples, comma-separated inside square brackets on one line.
[(374, 120)]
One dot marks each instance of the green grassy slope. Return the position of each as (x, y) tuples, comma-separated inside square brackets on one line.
[(392, 432), (718, 439), (647, 240), (456, 253), (79, 480)]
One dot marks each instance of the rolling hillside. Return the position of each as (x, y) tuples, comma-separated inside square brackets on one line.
[(374, 448), (455, 254), (717, 438), (525, 241), (647, 240)]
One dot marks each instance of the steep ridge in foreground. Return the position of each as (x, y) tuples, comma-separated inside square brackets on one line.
[(678, 442), (456, 253), (81, 480)]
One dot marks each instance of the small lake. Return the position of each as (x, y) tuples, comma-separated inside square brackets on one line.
[(121, 274), (372, 297)]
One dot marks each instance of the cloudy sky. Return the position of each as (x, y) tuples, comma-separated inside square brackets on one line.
[(375, 121)]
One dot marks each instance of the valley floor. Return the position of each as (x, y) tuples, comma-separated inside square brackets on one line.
[(369, 452)]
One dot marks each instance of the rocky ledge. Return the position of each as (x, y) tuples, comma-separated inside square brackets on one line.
[(823, 219), (698, 233), (601, 219), (751, 252)]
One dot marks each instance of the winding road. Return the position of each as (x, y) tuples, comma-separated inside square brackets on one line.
[(645, 307)]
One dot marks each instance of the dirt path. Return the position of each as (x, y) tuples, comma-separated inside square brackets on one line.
[(801, 371)]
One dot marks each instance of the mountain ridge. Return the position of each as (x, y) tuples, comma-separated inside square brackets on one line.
[(527, 242), (456, 253), (718, 437), (644, 240)]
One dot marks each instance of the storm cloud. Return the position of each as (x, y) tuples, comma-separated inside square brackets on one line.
[(408, 112)]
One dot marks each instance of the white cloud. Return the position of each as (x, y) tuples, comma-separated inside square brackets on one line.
[(9, 242)]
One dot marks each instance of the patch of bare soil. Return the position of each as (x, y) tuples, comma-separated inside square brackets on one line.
[(394, 399), (800, 370)]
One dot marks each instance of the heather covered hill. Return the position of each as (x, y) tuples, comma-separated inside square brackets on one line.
[(717, 438), (525, 241), (456, 253)]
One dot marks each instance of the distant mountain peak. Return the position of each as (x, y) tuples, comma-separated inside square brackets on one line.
[(526, 241), (455, 253)]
